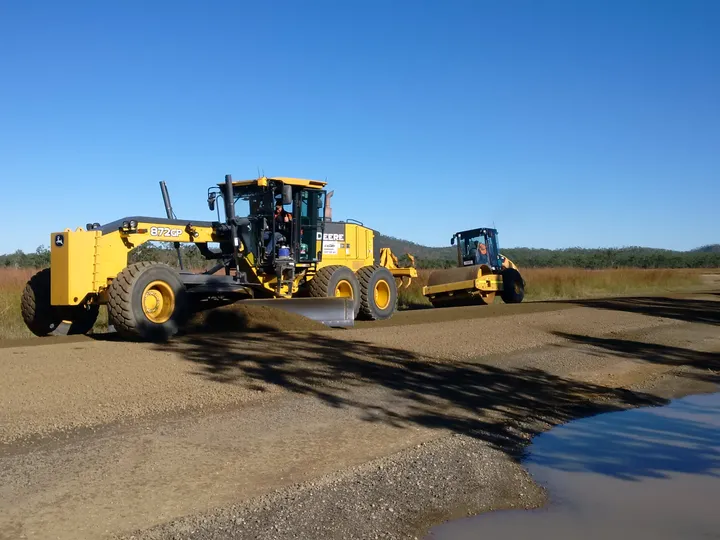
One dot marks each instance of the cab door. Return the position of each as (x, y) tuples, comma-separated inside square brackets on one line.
[(493, 253), (311, 226)]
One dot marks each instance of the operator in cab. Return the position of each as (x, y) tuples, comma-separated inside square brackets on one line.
[(283, 219), (283, 224), (481, 254)]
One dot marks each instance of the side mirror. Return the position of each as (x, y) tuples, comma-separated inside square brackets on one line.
[(211, 201), (452, 241), (287, 194)]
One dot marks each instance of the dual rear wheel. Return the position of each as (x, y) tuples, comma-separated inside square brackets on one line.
[(372, 289)]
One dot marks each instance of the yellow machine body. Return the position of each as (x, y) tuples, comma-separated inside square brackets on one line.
[(474, 282), (84, 262), (465, 282), (348, 244), (306, 264)]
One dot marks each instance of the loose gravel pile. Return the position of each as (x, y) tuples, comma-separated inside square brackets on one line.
[(439, 480), (248, 318)]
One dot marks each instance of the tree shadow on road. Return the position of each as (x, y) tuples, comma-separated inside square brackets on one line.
[(501, 406), (706, 364), (683, 309)]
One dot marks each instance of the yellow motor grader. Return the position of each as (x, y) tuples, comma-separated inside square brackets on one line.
[(285, 253), (481, 273)]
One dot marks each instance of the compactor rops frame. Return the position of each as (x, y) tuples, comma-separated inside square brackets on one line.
[(481, 273), (318, 268)]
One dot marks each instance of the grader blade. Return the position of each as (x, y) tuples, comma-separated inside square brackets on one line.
[(335, 312)]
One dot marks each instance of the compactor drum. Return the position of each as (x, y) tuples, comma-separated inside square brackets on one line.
[(481, 274), (284, 253)]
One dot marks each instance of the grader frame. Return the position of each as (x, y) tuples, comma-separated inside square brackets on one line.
[(320, 269)]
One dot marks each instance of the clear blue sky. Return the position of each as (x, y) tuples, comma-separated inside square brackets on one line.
[(563, 123)]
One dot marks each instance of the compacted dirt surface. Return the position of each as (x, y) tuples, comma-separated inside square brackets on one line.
[(274, 427)]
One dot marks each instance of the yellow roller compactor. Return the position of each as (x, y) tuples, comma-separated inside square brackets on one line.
[(482, 272), (285, 253)]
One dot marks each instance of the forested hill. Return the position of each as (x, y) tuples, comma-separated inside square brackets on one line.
[(434, 257)]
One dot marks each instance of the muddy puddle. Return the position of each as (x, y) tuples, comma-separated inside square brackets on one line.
[(641, 474)]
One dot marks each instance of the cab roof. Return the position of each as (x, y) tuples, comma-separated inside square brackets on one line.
[(479, 230), (263, 181)]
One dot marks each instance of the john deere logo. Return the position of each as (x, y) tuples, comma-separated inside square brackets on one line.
[(59, 240)]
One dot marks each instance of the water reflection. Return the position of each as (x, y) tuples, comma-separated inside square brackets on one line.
[(645, 473)]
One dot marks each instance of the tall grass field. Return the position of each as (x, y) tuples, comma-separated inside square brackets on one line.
[(542, 284), (574, 283)]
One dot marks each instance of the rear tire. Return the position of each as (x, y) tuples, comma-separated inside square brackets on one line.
[(148, 301), (39, 315), (513, 286), (378, 293), (336, 280)]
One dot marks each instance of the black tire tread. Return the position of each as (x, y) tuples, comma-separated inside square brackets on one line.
[(37, 312), (510, 296), (320, 284), (364, 275)]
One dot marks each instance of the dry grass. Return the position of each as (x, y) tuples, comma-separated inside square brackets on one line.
[(571, 283), (12, 281), (542, 284)]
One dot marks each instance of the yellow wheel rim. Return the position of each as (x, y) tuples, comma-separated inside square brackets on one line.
[(344, 289), (381, 293), (158, 302)]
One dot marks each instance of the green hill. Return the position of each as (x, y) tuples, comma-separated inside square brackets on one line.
[(639, 257)]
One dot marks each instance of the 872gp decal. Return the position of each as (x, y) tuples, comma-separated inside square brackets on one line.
[(165, 231)]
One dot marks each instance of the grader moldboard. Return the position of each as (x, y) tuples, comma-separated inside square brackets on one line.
[(481, 273), (312, 266)]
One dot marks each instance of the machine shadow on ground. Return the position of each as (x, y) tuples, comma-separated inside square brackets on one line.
[(503, 407)]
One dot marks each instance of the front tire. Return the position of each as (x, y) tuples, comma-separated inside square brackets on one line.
[(378, 293), (148, 301), (513, 286)]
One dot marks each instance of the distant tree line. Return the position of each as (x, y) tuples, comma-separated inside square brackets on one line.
[(637, 257), (594, 259), (429, 257), (19, 259), (160, 252)]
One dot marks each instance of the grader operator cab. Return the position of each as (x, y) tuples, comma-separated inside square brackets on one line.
[(295, 260), (481, 272)]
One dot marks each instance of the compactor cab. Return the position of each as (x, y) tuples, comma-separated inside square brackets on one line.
[(477, 246), (481, 272), (274, 246)]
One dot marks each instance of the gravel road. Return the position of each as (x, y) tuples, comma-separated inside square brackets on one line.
[(371, 432)]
